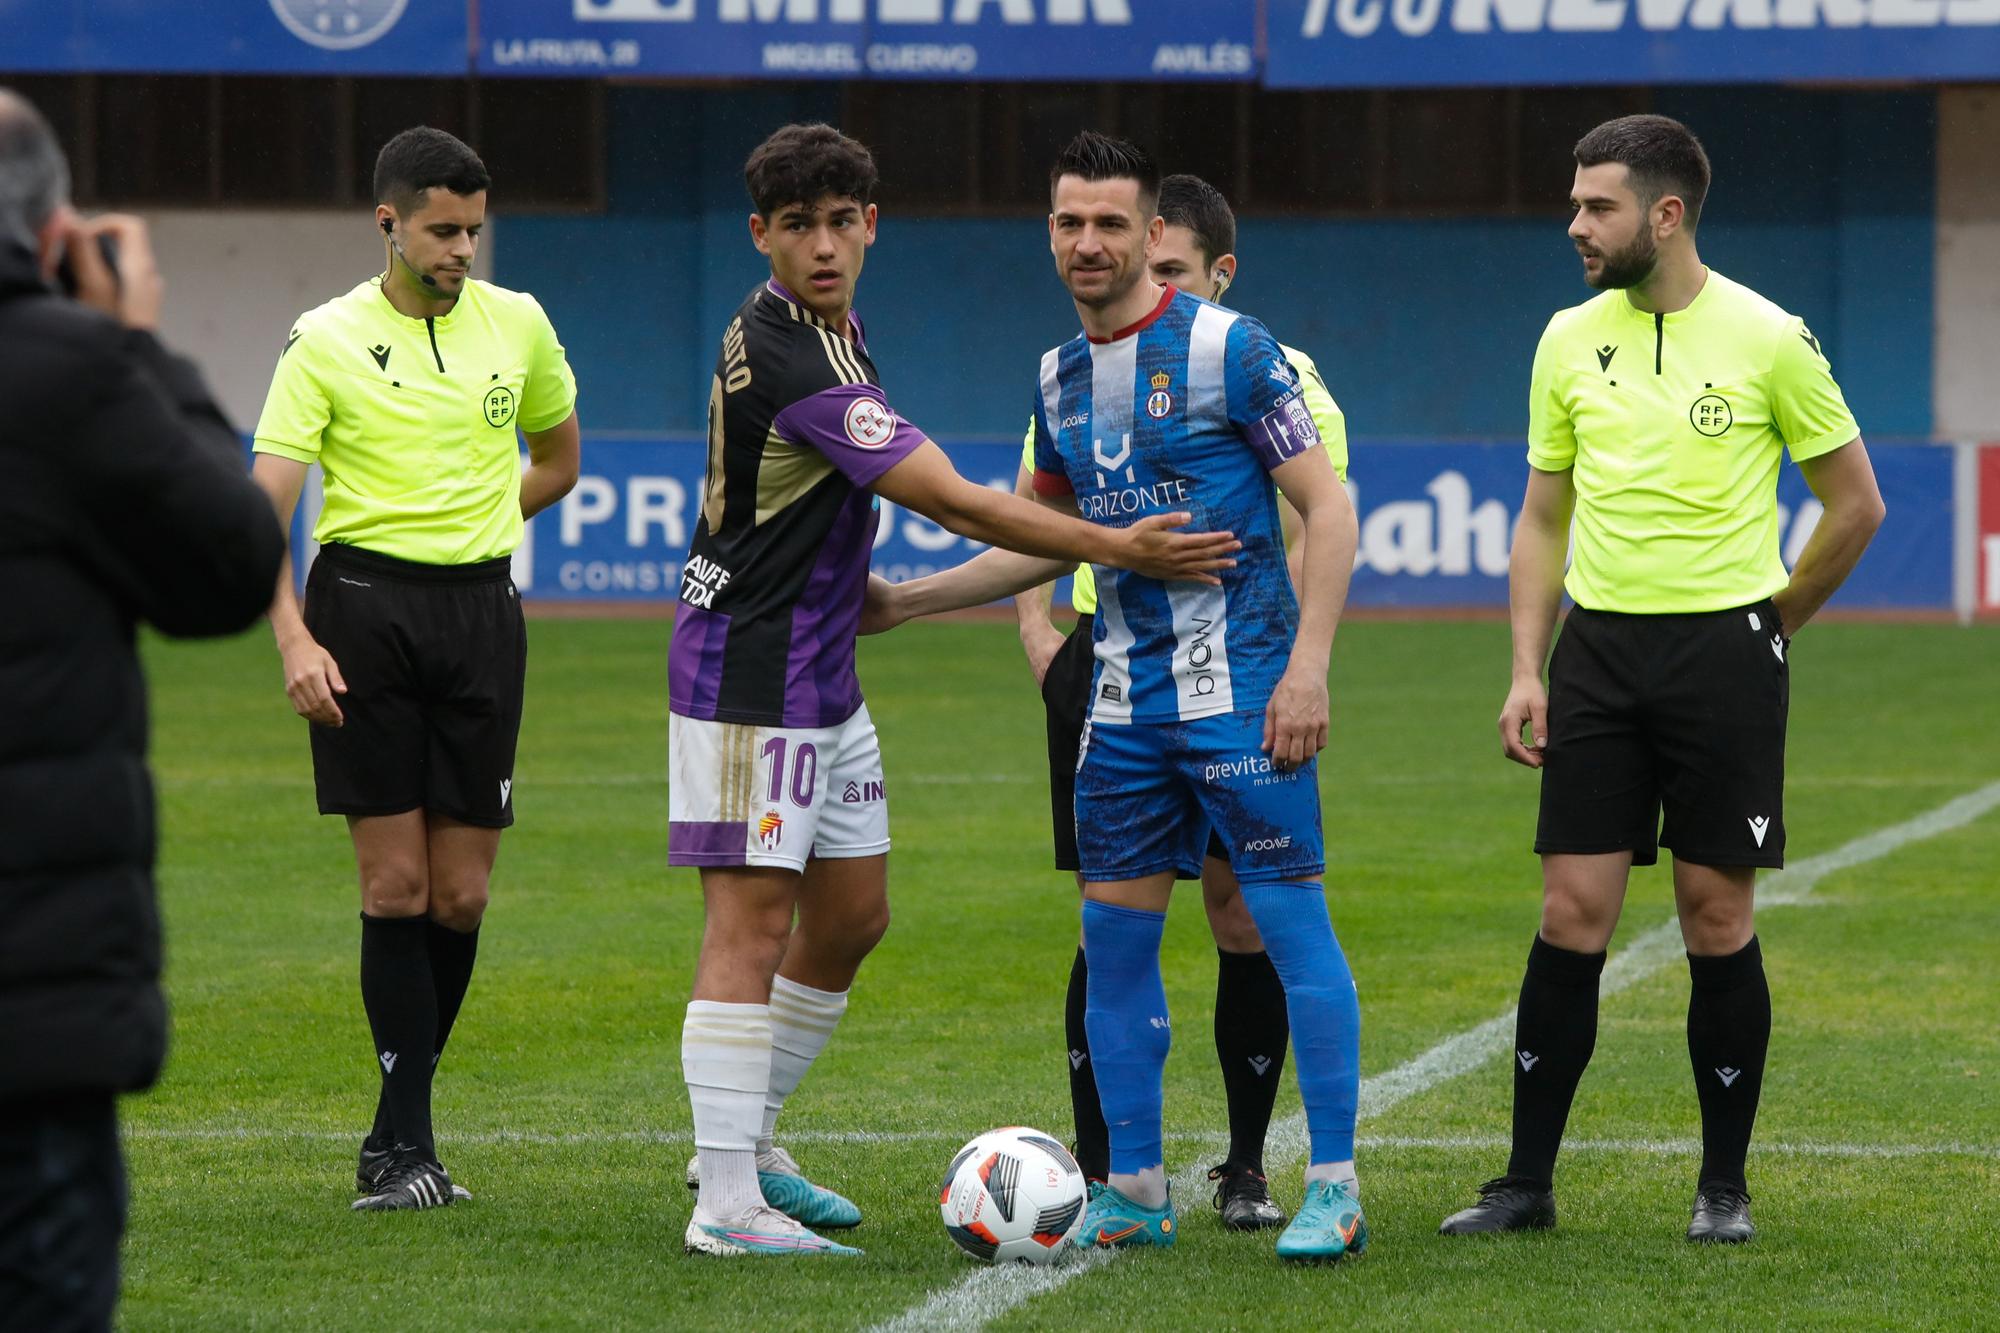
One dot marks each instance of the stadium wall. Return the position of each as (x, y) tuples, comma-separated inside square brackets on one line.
[(1425, 327), (1829, 202), (1967, 391)]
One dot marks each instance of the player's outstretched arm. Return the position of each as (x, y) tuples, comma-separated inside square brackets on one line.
[(1296, 720), (312, 677), (926, 482), (1844, 481), (1534, 595), (986, 578)]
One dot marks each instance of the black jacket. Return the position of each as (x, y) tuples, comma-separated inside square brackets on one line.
[(123, 498)]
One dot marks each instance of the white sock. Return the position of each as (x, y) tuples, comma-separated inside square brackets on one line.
[(802, 1019), (1146, 1188), (1340, 1173), (726, 1060)]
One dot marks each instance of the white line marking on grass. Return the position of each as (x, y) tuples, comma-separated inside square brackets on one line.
[(683, 1138), (1690, 1147), (973, 1302)]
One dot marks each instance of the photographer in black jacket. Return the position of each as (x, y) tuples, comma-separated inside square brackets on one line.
[(123, 497)]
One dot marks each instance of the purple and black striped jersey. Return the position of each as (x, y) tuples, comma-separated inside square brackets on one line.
[(771, 593)]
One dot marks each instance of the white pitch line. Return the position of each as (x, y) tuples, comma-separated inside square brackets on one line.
[(681, 1138), (965, 1305), (1690, 1147)]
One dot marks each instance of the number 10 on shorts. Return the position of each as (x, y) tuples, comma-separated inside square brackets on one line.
[(804, 770)]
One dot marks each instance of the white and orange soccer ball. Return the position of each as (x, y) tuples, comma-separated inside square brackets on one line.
[(1013, 1196)]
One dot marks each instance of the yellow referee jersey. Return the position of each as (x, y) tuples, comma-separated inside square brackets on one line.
[(413, 420), (1672, 425), (1325, 414)]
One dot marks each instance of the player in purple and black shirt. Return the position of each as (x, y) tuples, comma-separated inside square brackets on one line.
[(776, 786)]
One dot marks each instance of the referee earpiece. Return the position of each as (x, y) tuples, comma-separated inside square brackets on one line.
[(389, 230)]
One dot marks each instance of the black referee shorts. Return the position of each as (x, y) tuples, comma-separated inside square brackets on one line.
[(1681, 713), (435, 658), (1066, 700)]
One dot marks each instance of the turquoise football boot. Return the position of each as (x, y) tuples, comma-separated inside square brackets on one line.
[(1328, 1226), (1115, 1222)]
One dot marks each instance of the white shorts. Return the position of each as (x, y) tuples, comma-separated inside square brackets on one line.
[(739, 794)]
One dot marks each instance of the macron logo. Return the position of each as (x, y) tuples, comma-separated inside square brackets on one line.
[(1260, 1063), (1728, 1076), (1759, 826), (506, 789), (1528, 1061), (388, 1059)]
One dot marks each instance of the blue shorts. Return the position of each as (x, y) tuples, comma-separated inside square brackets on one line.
[(1148, 793)]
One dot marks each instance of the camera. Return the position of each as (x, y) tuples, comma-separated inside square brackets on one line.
[(66, 273)]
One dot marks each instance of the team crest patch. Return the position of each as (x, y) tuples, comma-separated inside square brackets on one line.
[(771, 830), (868, 423), (1159, 402)]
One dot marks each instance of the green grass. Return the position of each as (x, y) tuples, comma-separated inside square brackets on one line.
[(241, 1160)]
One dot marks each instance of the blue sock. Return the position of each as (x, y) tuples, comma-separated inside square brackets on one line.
[(1125, 1013), (1325, 1012)]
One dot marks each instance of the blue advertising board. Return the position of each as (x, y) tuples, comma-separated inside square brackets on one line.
[(234, 36), (872, 39), (1436, 524), (1413, 43)]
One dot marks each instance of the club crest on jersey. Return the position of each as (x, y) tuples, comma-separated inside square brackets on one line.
[(868, 423), (771, 830), (1159, 402)]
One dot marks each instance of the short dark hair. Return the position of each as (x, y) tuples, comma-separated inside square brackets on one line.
[(421, 159), (1191, 202), (802, 164), (1099, 157), (1661, 154)]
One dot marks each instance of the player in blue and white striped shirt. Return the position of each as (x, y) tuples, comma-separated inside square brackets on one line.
[(1209, 701)]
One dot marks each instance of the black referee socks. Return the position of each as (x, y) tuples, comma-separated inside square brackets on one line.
[(1729, 1035), (452, 955), (402, 1005), (1555, 1031), (1252, 1030), (1093, 1137)]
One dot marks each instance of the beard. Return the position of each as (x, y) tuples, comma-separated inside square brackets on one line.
[(1628, 267)]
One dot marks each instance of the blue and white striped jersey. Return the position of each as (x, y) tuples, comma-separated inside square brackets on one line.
[(1189, 409)]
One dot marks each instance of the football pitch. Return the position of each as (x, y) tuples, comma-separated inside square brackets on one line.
[(560, 1103)]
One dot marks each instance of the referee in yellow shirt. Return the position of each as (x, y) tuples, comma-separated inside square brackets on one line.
[(1657, 414), (410, 656)]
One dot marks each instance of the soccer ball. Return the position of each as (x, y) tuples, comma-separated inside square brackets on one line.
[(1013, 1196)]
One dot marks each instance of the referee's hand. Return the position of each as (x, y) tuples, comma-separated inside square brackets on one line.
[(1527, 707), (312, 679)]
